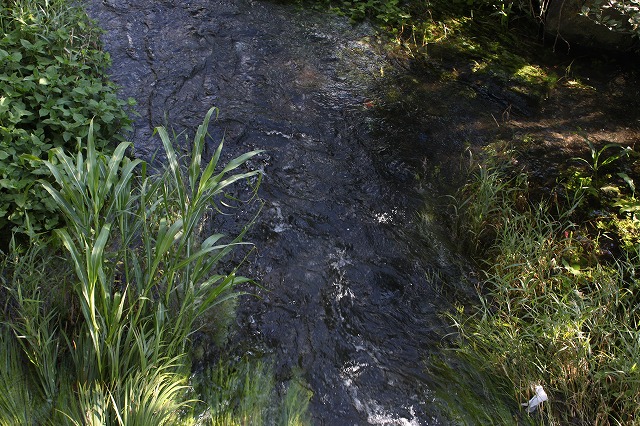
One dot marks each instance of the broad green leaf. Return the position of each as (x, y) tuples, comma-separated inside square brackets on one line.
[(115, 163), (208, 250), (629, 181), (68, 243), (235, 163), (97, 252)]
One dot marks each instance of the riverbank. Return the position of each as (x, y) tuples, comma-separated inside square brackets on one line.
[(549, 215)]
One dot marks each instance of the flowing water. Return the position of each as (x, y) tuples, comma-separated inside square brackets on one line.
[(351, 295)]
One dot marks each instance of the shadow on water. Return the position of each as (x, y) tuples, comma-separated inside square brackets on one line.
[(351, 295)]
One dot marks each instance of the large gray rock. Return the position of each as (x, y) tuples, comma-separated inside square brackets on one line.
[(565, 24)]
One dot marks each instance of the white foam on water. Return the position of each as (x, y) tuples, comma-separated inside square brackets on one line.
[(339, 261)]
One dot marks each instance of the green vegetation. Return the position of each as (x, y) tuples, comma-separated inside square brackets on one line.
[(557, 293), (97, 318), (111, 344), (475, 36), (617, 15), (389, 12), (143, 274), (555, 309), (557, 288), (110, 271), (245, 393), (51, 85)]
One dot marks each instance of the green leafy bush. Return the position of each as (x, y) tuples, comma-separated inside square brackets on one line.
[(617, 15), (392, 12), (388, 11), (51, 85)]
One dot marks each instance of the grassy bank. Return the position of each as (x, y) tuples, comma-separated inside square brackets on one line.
[(97, 320), (554, 307), (488, 39)]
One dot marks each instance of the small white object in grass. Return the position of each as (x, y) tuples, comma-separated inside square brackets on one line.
[(539, 398)]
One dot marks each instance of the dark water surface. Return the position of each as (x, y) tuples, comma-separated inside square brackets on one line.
[(351, 295)]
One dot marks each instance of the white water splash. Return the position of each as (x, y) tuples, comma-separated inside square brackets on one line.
[(340, 260), (280, 224)]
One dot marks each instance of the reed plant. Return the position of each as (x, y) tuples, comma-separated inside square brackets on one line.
[(137, 271), (549, 312)]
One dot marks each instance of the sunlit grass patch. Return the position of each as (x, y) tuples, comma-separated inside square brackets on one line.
[(549, 312)]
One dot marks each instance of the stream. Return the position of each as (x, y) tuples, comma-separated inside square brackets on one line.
[(351, 292)]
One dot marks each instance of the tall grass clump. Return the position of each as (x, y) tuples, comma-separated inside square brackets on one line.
[(134, 272), (244, 392), (548, 313)]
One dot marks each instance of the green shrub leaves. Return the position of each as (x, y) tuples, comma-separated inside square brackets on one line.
[(51, 85)]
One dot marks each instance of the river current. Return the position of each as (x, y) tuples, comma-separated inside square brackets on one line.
[(350, 295)]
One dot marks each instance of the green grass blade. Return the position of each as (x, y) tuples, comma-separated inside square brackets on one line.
[(115, 164), (226, 248), (211, 167), (79, 265), (93, 171), (165, 240), (198, 146), (69, 211), (97, 258), (174, 166), (233, 179), (235, 163)]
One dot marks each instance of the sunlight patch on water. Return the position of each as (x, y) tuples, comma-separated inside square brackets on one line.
[(278, 133), (378, 416)]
